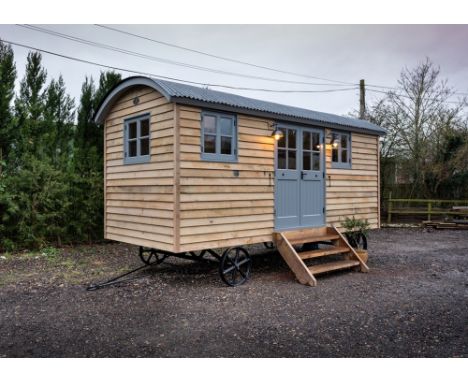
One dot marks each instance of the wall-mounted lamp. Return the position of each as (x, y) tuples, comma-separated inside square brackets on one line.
[(277, 133), (333, 142)]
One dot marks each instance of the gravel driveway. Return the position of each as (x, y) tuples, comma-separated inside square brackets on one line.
[(413, 303)]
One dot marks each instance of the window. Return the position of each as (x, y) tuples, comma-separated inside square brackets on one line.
[(219, 138), (341, 150), (287, 146), (311, 151), (137, 139)]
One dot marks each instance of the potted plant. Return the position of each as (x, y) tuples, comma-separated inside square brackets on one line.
[(356, 234)]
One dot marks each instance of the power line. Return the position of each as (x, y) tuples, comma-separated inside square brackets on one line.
[(406, 96), (244, 62), (221, 57), (162, 60), (171, 78), (396, 89), (196, 67)]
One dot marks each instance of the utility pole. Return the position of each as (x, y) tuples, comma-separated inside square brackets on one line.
[(362, 99)]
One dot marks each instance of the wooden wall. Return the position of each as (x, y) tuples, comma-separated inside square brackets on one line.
[(178, 202), (354, 191), (139, 198), (218, 208)]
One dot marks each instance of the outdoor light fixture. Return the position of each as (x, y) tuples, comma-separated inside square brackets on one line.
[(277, 133), (333, 143)]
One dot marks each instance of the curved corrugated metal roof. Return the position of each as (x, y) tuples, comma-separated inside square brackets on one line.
[(183, 91), (193, 95)]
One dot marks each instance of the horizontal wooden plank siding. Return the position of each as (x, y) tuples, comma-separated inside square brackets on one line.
[(139, 201), (179, 202), (354, 192), (224, 204)]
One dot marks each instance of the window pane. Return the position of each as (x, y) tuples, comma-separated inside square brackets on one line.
[(209, 144), (209, 124), (282, 140), (144, 146), (132, 148), (144, 127), (344, 141), (226, 143), (344, 156), (316, 141), (334, 155), (306, 160), (281, 159), (306, 139), (316, 161), (226, 126), (291, 159), (291, 139), (132, 130)]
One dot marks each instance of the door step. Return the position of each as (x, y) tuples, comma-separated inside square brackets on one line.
[(322, 252), (313, 239), (334, 266), (305, 274)]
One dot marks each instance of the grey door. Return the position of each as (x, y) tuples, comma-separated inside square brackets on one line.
[(299, 173)]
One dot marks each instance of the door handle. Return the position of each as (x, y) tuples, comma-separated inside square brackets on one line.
[(302, 174)]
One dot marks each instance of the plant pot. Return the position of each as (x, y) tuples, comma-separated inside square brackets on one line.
[(362, 254)]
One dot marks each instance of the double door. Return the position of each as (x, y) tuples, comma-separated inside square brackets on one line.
[(299, 178)]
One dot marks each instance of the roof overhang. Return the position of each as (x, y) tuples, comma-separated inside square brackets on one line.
[(273, 117), (114, 94)]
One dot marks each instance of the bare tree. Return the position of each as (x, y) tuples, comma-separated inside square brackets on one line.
[(419, 116)]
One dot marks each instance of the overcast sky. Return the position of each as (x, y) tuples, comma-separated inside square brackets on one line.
[(337, 52)]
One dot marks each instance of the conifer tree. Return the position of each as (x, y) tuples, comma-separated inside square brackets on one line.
[(58, 117), (29, 106), (7, 92)]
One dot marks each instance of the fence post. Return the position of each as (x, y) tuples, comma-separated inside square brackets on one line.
[(429, 210)]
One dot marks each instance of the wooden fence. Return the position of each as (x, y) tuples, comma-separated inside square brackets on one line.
[(427, 207)]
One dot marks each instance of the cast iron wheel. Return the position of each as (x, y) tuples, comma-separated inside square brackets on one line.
[(234, 267), (358, 241), (151, 256), (269, 244)]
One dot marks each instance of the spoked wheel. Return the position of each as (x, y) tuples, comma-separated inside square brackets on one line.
[(234, 267), (151, 256), (269, 244)]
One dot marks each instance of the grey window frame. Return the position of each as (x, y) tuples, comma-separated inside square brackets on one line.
[(138, 158), (287, 148), (217, 156), (339, 163)]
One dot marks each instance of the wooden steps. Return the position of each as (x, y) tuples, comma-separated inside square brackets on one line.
[(333, 266), (336, 245), (313, 239), (322, 252)]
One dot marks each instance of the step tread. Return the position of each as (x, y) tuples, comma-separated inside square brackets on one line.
[(322, 252), (334, 266), (314, 239)]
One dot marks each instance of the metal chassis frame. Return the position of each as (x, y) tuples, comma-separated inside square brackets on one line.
[(191, 255)]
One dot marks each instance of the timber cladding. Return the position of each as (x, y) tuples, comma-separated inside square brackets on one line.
[(354, 192), (139, 202), (179, 202), (224, 204)]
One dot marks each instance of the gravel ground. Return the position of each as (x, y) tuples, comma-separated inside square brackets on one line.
[(413, 303)]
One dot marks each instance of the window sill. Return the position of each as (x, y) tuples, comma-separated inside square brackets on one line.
[(137, 160), (343, 166), (219, 158)]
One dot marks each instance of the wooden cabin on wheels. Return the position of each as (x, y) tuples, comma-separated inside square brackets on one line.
[(189, 170)]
